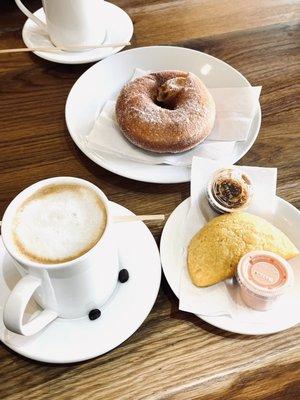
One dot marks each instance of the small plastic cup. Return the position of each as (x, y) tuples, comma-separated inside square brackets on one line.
[(263, 277), (239, 181)]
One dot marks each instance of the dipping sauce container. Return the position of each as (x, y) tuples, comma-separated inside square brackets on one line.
[(263, 278), (229, 190)]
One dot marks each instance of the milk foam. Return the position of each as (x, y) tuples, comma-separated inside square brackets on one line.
[(59, 223)]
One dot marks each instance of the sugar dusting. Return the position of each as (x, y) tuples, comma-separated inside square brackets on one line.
[(152, 113), (167, 111)]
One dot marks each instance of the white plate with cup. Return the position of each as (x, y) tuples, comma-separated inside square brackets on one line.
[(68, 280), (104, 80), (174, 261), (73, 24)]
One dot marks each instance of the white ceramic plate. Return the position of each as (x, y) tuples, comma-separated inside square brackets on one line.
[(119, 28), (105, 79), (72, 340), (287, 219)]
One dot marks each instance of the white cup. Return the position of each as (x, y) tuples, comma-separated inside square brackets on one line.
[(70, 23), (68, 290)]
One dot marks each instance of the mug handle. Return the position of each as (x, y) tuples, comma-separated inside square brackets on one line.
[(16, 304), (40, 23)]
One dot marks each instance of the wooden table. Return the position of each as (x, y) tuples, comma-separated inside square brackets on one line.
[(174, 355)]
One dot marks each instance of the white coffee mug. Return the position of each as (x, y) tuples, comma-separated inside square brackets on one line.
[(71, 23), (68, 290)]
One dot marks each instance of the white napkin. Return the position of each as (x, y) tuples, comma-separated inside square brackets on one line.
[(235, 111), (223, 298)]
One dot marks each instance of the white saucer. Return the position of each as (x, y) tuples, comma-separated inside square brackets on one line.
[(119, 28), (105, 79), (66, 341), (173, 261)]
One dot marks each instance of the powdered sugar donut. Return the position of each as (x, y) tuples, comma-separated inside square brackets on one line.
[(166, 112)]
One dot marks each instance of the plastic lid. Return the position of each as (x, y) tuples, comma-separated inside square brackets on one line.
[(265, 273), (229, 190)]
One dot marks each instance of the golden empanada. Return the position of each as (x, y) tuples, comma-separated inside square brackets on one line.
[(214, 252)]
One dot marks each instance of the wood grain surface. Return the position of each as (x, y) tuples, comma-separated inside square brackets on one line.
[(174, 355)]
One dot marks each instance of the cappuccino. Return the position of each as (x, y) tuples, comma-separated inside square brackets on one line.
[(59, 223)]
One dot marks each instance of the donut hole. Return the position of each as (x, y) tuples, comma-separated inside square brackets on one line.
[(165, 105), (167, 92)]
